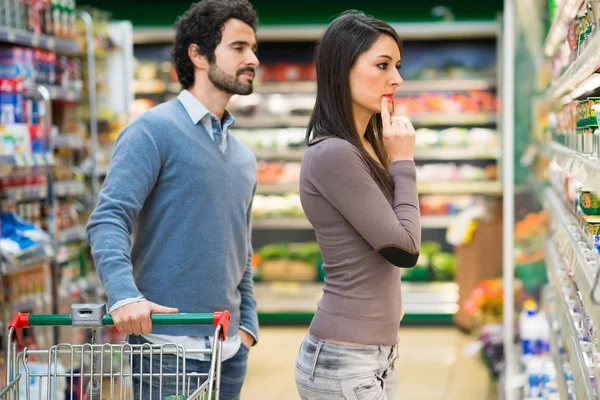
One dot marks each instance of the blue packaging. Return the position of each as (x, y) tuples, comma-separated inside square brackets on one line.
[(19, 107), (7, 108)]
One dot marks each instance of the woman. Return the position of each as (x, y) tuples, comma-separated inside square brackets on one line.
[(358, 189)]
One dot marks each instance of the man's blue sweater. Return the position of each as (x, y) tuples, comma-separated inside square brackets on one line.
[(188, 206)]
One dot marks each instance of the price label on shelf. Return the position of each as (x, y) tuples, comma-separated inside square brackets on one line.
[(20, 160), (12, 36), (51, 44), (39, 159), (285, 287), (18, 194), (50, 158), (49, 250), (35, 41), (29, 160)]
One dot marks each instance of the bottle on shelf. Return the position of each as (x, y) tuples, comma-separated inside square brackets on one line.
[(528, 329)]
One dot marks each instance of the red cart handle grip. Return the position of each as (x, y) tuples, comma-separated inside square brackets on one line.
[(223, 319), (18, 323)]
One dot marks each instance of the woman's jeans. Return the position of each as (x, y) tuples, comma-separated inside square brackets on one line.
[(331, 371)]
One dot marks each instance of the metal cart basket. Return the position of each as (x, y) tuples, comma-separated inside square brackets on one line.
[(105, 371)]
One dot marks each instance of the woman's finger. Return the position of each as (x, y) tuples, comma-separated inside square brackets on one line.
[(385, 113)]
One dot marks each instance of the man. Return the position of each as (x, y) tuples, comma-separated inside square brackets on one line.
[(183, 187)]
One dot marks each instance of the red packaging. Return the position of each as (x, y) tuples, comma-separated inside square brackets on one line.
[(309, 73)]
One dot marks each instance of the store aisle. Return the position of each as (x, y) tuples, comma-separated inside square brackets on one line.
[(431, 366)]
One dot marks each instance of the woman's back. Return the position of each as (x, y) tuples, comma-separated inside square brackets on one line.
[(355, 224)]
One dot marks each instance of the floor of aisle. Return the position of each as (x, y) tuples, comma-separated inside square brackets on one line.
[(431, 366)]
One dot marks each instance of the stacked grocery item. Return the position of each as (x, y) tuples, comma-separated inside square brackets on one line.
[(476, 101), (277, 206), (530, 236), (580, 31), (534, 333), (49, 17), (446, 205), (577, 126), (581, 202), (21, 240), (277, 172), (457, 138), (433, 265), (300, 262), (448, 172)]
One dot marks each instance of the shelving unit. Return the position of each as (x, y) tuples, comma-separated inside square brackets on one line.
[(551, 308), (43, 42), (41, 264), (440, 85), (294, 302), (572, 260)]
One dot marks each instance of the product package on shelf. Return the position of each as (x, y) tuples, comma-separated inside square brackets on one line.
[(22, 241), (49, 17)]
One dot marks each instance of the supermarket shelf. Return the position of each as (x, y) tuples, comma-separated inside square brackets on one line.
[(280, 155), (582, 272), (271, 121), (584, 169), (440, 85), (278, 188), (425, 154), (73, 234), (59, 93), (8, 268), (28, 160), (155, 87), (445, 187), (456, 154), (407, 31), (286, 87), (26, 193), (440, 222), (579, 71), (424, 119), (69, 188), (24, 38), (68, 141), (446, 85), (555, 352), (464, 119), (583, 385), (281, 223), (297, 301), (563, 15)]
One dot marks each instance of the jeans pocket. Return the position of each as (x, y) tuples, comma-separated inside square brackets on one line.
[(372, 389), (317, 388), (245, 348)]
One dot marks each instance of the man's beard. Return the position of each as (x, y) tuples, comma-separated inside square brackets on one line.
[(227, 83)]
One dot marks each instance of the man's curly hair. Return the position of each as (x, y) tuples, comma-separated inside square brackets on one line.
[(203, 25)]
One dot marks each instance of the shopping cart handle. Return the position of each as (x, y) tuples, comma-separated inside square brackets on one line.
[(218, 318)]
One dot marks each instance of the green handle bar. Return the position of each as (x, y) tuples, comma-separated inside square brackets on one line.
[(218, 318), (157, 319)]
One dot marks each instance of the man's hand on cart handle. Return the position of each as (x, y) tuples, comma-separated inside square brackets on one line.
[(134, 318)]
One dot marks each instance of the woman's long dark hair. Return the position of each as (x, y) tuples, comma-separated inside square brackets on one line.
[(346, 38)]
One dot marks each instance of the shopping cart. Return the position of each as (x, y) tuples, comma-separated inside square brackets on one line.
[(105, 371)]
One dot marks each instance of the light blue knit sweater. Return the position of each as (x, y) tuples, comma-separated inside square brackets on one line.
[(188, 207)]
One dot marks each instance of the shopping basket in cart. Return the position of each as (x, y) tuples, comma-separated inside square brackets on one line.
[(105, 371)]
